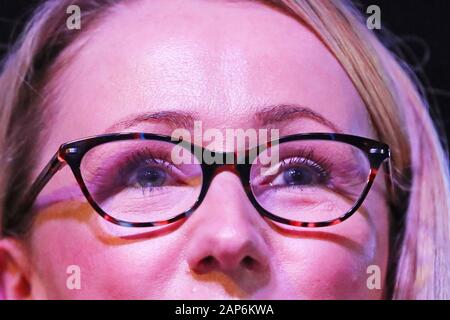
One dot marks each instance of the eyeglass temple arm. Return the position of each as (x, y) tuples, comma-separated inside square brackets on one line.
[(55, 164), (389, 175)]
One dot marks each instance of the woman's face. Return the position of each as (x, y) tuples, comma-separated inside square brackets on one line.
[(222, 63)]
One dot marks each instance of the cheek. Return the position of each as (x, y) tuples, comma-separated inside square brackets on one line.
[(112, 266), (333, 263)]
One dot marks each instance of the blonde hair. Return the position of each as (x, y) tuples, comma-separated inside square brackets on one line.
[(420, 259)]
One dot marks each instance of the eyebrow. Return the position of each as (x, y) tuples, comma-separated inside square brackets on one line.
[(268, 115), (275, 114), (174, 119)]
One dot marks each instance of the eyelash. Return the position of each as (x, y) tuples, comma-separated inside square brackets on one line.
[(145, 156), (123, 167), (148, 157), (303, 157), (321, 164)]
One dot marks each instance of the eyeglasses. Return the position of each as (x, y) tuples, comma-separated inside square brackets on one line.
[(145, 180)]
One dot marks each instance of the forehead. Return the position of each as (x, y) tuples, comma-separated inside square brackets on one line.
[(223, 60)]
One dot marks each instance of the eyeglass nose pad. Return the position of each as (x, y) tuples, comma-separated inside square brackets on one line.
[(225, 167)]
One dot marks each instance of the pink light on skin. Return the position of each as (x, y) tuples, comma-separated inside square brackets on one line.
[(222, 62)]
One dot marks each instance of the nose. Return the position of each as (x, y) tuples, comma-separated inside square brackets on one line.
[(226, 232)]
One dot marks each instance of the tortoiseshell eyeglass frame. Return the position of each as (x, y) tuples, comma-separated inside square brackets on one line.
[(72, 153)]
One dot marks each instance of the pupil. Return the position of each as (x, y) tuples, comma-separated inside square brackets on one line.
[(151, 177), (298, 176)]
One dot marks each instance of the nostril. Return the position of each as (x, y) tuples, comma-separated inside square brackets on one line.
[(208, 261), (249, 263), (207, 264), (227, 263)]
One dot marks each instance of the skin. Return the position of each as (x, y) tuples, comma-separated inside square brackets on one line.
[(222, 62)]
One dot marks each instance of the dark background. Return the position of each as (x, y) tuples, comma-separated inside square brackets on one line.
[(423, 26)]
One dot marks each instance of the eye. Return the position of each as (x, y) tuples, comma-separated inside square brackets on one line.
[(143, 171), (300, 172), (150, 177), (298, 176)]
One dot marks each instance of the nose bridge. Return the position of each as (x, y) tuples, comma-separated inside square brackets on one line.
[(239, 171), (218, 169), (234, 162), (232, 188), (226, 187)]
